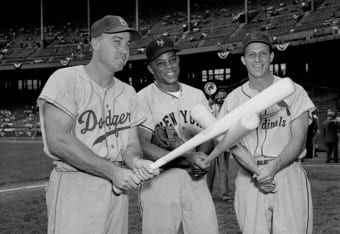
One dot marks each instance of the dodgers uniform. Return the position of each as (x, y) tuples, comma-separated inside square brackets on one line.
[(291, 206), (173, 197), (78, 202)]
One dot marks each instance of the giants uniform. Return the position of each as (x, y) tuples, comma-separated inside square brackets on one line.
[(173, 196), (102, 119), (291, 205)]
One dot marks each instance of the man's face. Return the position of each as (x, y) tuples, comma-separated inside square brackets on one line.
[(165, 68), (113, 50), (257, 58)]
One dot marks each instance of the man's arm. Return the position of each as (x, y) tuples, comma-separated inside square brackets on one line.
[(153, 152), (150, 151), (133, 157), (62, 144), (206, 147), (245, 159), (291, 152), (133, 150), (197, 159)]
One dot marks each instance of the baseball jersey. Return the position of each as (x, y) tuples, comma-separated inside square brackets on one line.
[(102, 117), (165, 109), (273, 132)]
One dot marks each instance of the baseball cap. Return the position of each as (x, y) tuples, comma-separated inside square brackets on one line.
[(256, 36), (113, 24), (159, 46)]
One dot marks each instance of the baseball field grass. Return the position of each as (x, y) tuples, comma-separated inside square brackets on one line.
[(24, 170)]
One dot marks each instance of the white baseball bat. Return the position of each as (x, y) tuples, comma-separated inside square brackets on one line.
[(204, 118), (243, 127), (266, 98)]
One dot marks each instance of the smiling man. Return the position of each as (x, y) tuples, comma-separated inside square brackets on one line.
[(174, 197), (89, 124), (278, 200)]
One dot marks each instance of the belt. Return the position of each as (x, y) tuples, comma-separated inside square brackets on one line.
[(120, 164), (266, 161), (263, 161)]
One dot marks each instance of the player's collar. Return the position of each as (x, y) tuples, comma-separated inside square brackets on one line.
[(168, 92), (117, 85), (248, 91)]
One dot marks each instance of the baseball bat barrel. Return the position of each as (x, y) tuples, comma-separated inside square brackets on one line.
[(204, 117), (244, 125), (266, 98)]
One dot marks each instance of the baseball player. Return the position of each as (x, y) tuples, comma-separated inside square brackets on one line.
[(278, 199), (173, 197), (88, 120), (330, 132)]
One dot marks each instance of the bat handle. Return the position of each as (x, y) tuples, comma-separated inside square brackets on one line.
[(158, 163)]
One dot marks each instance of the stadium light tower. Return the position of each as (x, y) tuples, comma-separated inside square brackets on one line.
[(137, 16), (189, 16), (88, 21), (42, 23), (246, 11)]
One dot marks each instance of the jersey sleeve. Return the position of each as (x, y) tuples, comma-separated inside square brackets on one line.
[(59, 91), (148, 124), (137, 114), (301, 103)]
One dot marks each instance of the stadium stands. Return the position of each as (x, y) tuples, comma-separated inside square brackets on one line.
[(212, 26), (19, 123), (291, 20)]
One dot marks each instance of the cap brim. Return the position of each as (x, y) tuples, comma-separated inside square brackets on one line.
[(162, 51), (134, 34)]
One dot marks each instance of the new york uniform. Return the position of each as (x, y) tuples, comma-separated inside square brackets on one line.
[(173, 197), (102, 119)]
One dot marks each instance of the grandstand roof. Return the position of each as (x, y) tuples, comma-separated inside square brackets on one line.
[(16, 13)]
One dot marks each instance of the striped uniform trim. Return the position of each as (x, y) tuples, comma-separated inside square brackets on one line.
[(308, 197), (57, 104)]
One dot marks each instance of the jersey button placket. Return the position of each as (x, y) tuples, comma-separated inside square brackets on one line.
[(109, 126), (105, 106)]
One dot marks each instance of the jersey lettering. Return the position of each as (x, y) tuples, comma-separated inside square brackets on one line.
[(267, 124), (160, 42), (105, 135), (166, 120), (184, 114), (170, 119), (90, 122)]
